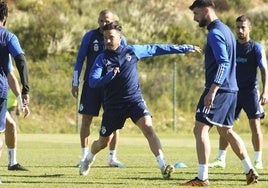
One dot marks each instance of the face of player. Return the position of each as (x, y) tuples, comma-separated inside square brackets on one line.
[(105, 19), (200, 16), (112, 39), (242, 30)]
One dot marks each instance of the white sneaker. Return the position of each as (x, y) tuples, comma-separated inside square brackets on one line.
[(167, 171), (258, 165), (217, 163), (116, 163), (85, 167)]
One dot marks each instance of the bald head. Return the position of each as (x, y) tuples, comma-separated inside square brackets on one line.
[(106, 16)]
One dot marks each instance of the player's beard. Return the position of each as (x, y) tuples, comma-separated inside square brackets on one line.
[(203, 22), (241, 36)]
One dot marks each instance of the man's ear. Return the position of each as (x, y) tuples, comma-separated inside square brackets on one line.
[(206, 9), (250, 27)]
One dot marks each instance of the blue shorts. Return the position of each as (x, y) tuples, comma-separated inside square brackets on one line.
[(222, 112), (91, 100), (114, 119), (248, 100), (3, 111)]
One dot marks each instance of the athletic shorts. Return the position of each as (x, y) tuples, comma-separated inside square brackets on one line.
[(114, 119), (3, 110), (222, 112), (248, 100), (91, 100)]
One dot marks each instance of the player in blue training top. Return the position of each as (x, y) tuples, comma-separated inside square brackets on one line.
[(217, 103), (91, 98), (11, 126), (122, 94), (249, 56), (9, 45)]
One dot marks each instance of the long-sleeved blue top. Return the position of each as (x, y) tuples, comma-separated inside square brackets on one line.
[(9, 45), (220, 57), (124, 87), (91, 46), (249, 56)]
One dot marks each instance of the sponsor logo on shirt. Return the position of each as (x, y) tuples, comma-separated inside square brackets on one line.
[(241, 60)]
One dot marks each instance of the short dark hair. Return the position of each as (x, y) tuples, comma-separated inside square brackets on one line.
[(113, 25), (243, 18), (202, 3), (3, 10)]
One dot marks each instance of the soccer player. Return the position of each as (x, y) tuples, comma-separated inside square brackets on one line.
[(91, 46), (9, 45), (217, 103), (249, 56), (11, 126), (122, 93)]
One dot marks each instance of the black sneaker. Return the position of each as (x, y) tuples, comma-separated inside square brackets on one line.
[(17, 167)]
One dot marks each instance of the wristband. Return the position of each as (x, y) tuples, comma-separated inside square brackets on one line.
[(20, 103)]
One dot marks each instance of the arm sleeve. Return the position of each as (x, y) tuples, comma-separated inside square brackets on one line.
[(150, 50), (21, 65), (95, 77), (220, 53), (260, 55), (82, 53), (20, 60)]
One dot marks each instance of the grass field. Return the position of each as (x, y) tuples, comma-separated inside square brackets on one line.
[(51, 159)]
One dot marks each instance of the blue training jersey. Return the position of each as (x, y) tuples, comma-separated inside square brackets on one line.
[(124, 87), (249, 56), (91, 46), (9, 45), (220, 57)]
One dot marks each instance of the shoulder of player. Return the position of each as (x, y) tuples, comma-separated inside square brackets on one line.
[(92, 34), (256, 46)]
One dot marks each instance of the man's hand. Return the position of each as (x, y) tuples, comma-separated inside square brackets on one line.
[(26, 111), (116, 71), (25, 99)]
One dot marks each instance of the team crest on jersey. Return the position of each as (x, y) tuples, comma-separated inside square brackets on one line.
[(128, 57), (103, 130), (96, 46), (108, 65)]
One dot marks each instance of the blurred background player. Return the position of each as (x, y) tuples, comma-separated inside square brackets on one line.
[(249, 56), (91, 99)]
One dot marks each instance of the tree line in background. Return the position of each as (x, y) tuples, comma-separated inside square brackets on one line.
[(50, 32)]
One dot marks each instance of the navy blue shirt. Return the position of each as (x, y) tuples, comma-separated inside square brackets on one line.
[(91, 46), (220, 57), (9, 45), (249, 56), (124, 88)]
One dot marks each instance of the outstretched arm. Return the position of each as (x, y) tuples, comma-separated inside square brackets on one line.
[(150, 50)]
